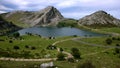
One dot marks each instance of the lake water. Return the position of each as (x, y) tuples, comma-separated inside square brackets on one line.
[(55, 32)]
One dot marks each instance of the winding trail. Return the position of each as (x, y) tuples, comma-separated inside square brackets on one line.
[(80, 41), (43, 59), (77, 39)]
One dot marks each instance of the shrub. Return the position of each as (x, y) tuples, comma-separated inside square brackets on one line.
[(74, 35), (26, 46), (60, 56), (10, 41), (16, 47), (118, 38), (2, 40), (16, 34), (76, 53), (108, 41), (51, 47), (117, 44), (70, 60), (117, 50), (113, 38), (87, 64), (33, 48), (61, 49)]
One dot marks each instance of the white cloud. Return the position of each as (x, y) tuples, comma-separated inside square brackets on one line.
[(2, 12), (2, 7), (63, 6)]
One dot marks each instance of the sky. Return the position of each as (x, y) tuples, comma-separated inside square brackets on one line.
[(69, 8)]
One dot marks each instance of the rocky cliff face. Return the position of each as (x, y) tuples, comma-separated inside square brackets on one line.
[(6, 27), (47, 16), (99, 18)]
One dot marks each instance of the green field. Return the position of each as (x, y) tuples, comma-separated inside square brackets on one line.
[(113, 29), (35, 45), (100, 57)]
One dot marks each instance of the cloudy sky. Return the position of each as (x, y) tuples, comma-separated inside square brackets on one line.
[(69, 8)]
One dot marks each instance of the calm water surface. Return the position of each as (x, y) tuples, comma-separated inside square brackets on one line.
[(54, 31)]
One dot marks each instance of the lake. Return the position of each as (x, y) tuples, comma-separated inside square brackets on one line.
[(56, 32)]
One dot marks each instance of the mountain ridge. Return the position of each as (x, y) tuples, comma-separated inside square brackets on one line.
[(6, 27), (46, 16), (99, 18), (50, 16)]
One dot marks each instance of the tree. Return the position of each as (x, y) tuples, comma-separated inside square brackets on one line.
[(117, 44), (76, 53), (16, 47), (117, 50), (26, 46), (87, 64), (33, 48), (61, 49), (16, 34), (60, 56), (10, 41), (108, 41)]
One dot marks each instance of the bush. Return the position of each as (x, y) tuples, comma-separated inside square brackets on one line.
[(87, 64), (16, 34), (26, 46), (51, 47), (74, 35), (16, 47), (76, 53), (61, 49), (113, 38), (117, 50), (117, 44), (118, 38), (108, 41), (70, 60), (33, 48), (10, 41), (60, 56)]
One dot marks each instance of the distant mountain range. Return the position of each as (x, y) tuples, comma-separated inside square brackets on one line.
[(51, 16)]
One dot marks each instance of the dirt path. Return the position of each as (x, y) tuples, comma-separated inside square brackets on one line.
[(54, 59), (96, 52), (43, 59), (20, 59), (80, 41)]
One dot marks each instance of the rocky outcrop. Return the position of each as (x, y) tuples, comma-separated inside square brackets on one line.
[(47, 16), (99, 18)]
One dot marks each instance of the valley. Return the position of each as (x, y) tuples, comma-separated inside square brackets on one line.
[(29, 39)]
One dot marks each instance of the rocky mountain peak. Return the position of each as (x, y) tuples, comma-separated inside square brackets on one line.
[(47, 16), (100, 12), (99, 18)]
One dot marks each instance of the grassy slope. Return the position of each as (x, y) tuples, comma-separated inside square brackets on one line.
[(36, 41), (100, 41), (15, 19), (101, 59), (113, 29)]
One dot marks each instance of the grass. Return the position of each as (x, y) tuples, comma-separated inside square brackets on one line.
[(39, 43), (106, 59), (100, 41), (113, 29), (15, 19), (100, 59)]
